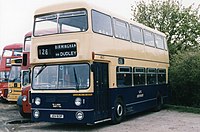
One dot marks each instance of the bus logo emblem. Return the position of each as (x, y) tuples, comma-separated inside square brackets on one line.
[(140, 94)]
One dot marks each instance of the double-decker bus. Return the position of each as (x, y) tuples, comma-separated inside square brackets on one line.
[(95, 66), (23, 101), (14, 80), (9, 52)]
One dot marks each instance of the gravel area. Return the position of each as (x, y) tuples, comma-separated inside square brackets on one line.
[(163, 121)]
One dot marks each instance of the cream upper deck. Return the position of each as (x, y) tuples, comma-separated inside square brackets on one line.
[(88, 42), (80, 4)]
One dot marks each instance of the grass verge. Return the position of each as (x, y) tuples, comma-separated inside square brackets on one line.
[(183, 109)]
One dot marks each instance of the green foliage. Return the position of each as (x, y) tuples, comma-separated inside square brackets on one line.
[(184, 76), (183, 109), (180, 24)]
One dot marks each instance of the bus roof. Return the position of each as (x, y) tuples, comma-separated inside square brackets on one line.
[(29, 34), (85, 4), (62, 7), (13, 46)]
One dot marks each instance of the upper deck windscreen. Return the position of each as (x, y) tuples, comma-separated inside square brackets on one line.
[(27, 43), (10, 52), (63, 22)]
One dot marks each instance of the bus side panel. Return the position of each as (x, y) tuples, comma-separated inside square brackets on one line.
[(139, 98), (26, 106), (4, 89)]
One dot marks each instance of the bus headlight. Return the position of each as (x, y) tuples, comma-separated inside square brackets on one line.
[(36, 113), (24, 98), (79, 115), (0, 91), (78, 101), (37, 101), (9, 91)]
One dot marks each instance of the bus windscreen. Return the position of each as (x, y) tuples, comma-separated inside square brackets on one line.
[(65, 77)]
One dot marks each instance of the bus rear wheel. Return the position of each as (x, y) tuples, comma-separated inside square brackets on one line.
[(119, 111), (159, 104)]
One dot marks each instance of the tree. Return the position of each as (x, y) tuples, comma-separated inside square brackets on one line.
[(184, 78), (180, 24)]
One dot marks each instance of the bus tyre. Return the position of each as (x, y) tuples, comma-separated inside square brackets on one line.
[(118, 113), (159, 103), (24, 115), (3, 100)]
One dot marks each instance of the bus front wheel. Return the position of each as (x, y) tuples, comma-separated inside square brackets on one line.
[(119, 110), (24, 115)]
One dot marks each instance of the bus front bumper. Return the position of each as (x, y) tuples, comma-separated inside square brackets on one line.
[(81, 116)]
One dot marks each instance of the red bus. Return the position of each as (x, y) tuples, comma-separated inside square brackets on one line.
[(23, 101), (9, 52)]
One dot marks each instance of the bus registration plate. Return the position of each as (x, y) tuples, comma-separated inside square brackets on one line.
[(57, 116)]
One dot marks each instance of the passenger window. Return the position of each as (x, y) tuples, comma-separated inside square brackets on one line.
[(151, 76), (149, 38), (124, 76), (159, 41), (121, 29), (136, 34), (165, 43), (139, 76), (161, 76), (101, 23)]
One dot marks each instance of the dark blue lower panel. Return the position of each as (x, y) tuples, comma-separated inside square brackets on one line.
[(139, 98), (136, 99), (140, 106), (68, 116)]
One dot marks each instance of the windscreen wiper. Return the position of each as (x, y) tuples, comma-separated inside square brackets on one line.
[(40, 71), (76, 80)]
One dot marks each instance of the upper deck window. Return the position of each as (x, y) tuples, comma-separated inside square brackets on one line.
[(121, 29), (149, 38), (27, 43), (101, 23), (165, 43), (136, 34), (159, 41), (7, 53), (63, 22)]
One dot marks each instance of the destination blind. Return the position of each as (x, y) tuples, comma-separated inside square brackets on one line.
[(57, 51)]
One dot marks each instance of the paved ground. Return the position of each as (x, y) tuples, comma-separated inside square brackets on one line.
[(163, 121)]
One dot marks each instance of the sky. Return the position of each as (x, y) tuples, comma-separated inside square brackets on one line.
[(16, 16)]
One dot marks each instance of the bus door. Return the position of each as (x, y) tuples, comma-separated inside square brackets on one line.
[(101, 90)]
